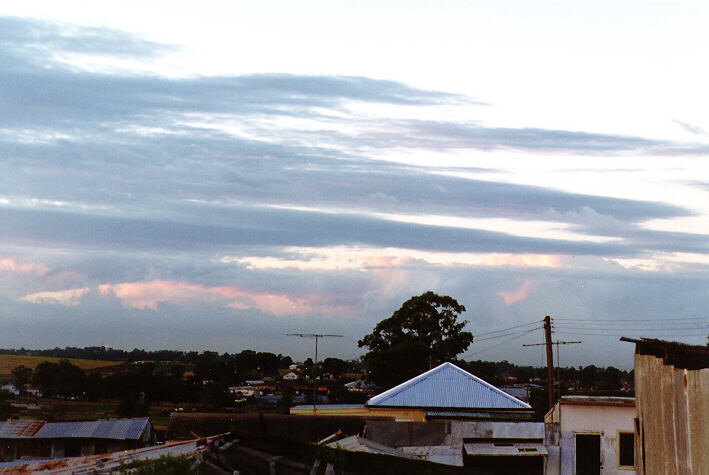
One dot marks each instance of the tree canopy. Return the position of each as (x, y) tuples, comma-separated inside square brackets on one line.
[(423, 333)]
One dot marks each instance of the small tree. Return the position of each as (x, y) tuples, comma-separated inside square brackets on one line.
[(423, 333), (20, 377)]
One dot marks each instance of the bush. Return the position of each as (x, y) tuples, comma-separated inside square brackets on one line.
[(165, 465)]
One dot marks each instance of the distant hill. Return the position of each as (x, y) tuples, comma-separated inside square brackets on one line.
[(8, 362)]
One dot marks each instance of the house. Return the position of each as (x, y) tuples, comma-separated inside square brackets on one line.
[(10, 388), (48, 440), (672, 407), (444, 392), (591, 435), (291, 376), (447, 415), (360, 386)]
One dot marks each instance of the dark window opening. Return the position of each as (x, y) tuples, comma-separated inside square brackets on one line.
[(588, 454), (626, 449)]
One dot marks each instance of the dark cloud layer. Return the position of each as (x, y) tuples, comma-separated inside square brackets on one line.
[(118, 177)]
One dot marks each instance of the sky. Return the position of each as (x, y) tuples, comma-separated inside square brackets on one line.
[(215, 175)]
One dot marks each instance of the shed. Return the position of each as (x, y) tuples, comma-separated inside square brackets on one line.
[(40, 439), (672, 406)]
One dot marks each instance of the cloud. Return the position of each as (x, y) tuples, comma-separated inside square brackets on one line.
[(517, 295), (692, 129), (68, 297), (14, 265), (152, 295), (223, 212)]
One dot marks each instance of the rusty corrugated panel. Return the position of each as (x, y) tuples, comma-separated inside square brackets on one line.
[(19, 429), (105, 463)]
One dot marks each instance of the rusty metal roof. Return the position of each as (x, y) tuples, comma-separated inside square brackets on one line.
[(16, 429), (106, 463), (677, 354), (447, 386)]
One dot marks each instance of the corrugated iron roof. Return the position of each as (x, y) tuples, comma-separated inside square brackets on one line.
[(447, 386), (355, 443), (19, 429), (107, 463), (118, 429)]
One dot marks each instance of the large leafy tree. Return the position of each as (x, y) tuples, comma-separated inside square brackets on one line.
[(423, 333)]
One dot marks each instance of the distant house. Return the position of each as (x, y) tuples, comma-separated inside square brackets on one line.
[(291, 376), (46, 440), (672, 407), (360, 386), (591, 435), (10, 388)]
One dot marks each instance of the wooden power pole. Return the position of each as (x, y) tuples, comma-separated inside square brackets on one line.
[(550, 360)]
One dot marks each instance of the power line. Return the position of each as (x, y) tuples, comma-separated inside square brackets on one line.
[(510, 328), (621, 328), (622, 333), (638, 320), (499, 344), (477, 340)]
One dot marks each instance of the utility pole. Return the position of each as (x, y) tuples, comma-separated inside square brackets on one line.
[(550, 360), (315, 363), (550, 357)]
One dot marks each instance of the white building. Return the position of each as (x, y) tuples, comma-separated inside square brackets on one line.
[(591, 435), (291, 376)]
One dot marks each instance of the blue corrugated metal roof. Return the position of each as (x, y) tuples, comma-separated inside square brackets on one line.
[(119, 429), (447, 386)]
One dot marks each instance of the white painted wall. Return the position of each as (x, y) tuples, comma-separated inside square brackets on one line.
[(591, 419)]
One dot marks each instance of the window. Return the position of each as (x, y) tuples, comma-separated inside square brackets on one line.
[(626, 449)]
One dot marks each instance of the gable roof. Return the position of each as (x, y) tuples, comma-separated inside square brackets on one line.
[(447, 386)]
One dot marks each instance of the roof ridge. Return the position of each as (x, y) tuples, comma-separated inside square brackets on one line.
[(406, 384), (493, 387)]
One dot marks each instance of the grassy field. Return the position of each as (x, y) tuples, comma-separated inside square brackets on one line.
[(8, 362)]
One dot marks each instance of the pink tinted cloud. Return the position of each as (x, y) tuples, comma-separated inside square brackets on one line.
[(150, 294), (518, 294), (386, 261), (16, 265), (522, 260)]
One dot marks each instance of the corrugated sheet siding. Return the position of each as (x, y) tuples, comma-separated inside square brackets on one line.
[(450, 387)]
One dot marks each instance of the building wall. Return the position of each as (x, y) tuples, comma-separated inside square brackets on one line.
[(673, 417), (606, 421), (416, 415)]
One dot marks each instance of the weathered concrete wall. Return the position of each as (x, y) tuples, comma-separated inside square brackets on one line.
[(606, 421), (672, 406), (400, 434), (436, 453), (495, 430)]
